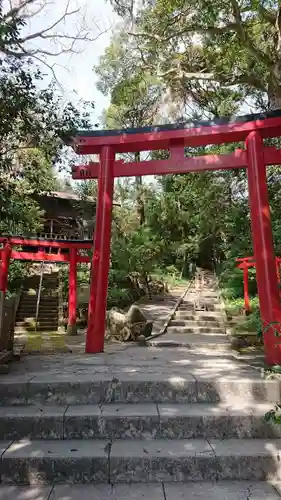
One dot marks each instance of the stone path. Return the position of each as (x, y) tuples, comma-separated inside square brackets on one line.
[(154, 416), (229, 490), (157, 310), (199, 321)]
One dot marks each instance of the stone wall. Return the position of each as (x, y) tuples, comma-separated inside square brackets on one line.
[(8, 323)]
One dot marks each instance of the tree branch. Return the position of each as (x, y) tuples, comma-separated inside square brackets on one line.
[(15, 11), (17, 47), (278, 28), (245, 39), (266, 14), (213, 30)]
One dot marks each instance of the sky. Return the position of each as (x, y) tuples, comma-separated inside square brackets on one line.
[(74, 72)]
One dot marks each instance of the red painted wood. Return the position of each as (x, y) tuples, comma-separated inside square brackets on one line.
[(101, 256), (72, 287), (4, 266), (18, 241), (47, 257), (178, 165), (246, 288), (263, 246), (164, 139)]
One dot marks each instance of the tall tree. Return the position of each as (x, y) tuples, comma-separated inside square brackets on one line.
[(33, 123), (135, 96), (204, 48)]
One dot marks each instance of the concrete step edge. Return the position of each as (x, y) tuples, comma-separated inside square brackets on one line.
[(78, 461), (139, 387)]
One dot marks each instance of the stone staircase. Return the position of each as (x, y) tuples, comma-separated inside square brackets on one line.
[(174, 422), (48, 314), (199, 321)]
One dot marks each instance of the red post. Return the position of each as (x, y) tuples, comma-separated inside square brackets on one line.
[(246, 287), (101, 255), (277, 269), (263, 246), (4, 272), (72, 292), (4, 266)]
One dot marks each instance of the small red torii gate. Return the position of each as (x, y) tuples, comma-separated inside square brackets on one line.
[(244, 263), (107, 143), (72, 257)]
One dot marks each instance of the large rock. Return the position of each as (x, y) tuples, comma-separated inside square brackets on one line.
[(125, 327)]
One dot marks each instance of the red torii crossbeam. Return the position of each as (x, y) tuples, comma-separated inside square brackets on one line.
[(72, 257), (251, 129), (176, 164)]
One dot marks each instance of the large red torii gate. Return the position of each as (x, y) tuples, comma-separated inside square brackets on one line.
[(250, 128)]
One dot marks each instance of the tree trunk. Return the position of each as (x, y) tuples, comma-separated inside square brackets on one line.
[(140, 204), (274, 97)]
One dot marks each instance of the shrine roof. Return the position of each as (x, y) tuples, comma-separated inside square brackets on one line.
[(180, 125)]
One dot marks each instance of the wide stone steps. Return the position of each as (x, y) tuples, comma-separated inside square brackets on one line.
[(230, 490), (137, 387), (199, 320), (102, 461), (216, 342), (189, 306), (193, 323), (178, 327), (141, 421)]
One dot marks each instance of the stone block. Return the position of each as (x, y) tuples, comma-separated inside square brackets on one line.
[(25, 492), (33, 422), (68, 389), (193, 421), (13, 389), (156, 461), (248, 459), (83, 422), (158, 388), (226, 490), (43, 462), (107, 492), (230, 390), (220, 420), (130, 421)]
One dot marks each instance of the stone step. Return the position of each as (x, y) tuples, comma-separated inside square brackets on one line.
[(173, 341), (134, 386), (199, 330), (199, 315), (44, 308), (137, 421), (196, 324), (25, 320), (44, 302), (42, 321), (79, 461), (200, 490), (189, 306), (24, 331)]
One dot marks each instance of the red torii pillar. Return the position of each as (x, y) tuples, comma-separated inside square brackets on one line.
[(72, 292), (4, 266), (101, 254), (263, 247), (4, 272), (245, 266)]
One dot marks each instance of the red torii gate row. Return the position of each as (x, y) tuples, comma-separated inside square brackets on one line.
[(252, 129), (245, 263), (72, 257)]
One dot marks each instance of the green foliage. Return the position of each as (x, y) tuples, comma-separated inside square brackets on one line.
[(274, 415), (33, 123), (202, 49)]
